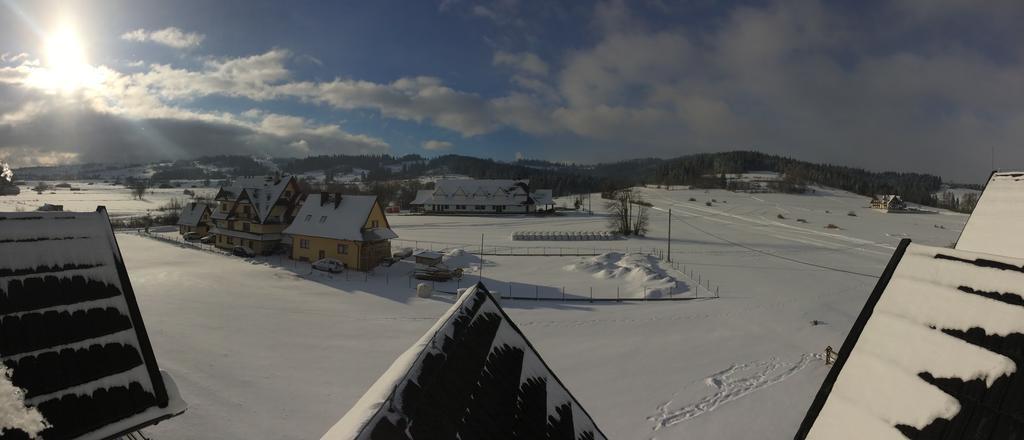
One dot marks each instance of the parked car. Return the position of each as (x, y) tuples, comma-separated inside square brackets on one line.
[(329, 265), (191, 236), (243, 251), (209, 239)]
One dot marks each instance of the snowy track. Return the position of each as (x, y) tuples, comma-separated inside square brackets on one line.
[(731, 384)]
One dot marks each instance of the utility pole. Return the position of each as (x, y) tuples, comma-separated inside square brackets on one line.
[(669, 253)]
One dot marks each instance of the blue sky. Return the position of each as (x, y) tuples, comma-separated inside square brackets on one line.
[(918, 85)]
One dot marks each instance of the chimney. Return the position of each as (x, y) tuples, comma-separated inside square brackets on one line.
[(337, 200), (324, 197)]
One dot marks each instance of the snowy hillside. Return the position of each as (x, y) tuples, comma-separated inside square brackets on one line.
[(270, 350)]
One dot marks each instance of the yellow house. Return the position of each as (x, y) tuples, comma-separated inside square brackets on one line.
[(350, 229), (195, 217), (254, 211)]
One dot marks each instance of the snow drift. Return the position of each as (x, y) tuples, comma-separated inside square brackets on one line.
[(636, 271)]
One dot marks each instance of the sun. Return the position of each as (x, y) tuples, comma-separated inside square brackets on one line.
[(64, 50), (67, 68)]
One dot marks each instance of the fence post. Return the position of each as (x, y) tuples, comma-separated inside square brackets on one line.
[(645, 293), (509, 289), (591, 294), (563, 293), (716, 291), (617, 297), (536, 291)]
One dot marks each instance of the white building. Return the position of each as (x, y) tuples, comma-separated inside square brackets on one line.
[(480, 196)]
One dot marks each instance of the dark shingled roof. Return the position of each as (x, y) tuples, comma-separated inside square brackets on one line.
[(71, 332), (472, 376), (935, 354)]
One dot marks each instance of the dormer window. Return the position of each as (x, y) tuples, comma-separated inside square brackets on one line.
[(309, 217), (323, 218), (374, 223)]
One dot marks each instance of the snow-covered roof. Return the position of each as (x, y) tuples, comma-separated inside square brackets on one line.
[(192, 214), (340, 220), (262, 192), (473, 375), (997, 224), (486, 192), (934, 353), (423, 196), (65, 299)]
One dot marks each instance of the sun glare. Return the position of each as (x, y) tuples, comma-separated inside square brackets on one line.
[(67, 68)]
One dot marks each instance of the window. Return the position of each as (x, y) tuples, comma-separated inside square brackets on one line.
[(309, 217), (231, 240), (304, 244), (323, 218), (321, 254), (343, 249), (245, 227), (374, 223), (481, 207), (287, 194), (460, 206), (245, 209)]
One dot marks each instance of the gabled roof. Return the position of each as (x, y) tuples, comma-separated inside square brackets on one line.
[(934, 354), (262, 192), (422, 196), (340, 221), (997, 224), (66, 300), (192, 213), (473, 375)]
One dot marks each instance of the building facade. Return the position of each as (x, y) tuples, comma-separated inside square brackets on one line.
[(888, 202), (195, 217), (482, 196), (254, 211), (351, 229)]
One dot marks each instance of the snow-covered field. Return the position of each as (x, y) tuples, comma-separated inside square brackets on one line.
[(116, 198), (266, 350)]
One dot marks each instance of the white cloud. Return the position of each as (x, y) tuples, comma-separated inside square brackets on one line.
[(169, 36), (435, 145), (526, 62)]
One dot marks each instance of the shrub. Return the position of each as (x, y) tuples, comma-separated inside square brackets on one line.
[(851, 214), (800, 220), (781, 217)]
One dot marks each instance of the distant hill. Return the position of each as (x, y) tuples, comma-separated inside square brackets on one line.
[(700, 170)]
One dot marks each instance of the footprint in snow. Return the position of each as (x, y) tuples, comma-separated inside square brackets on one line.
[(731, 384)]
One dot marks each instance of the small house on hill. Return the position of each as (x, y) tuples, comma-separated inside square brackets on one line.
[(482, 196), (348, 228), (936, 353), (71, 332), (997, 221), (888, 202), (195, 217), (473, 375)]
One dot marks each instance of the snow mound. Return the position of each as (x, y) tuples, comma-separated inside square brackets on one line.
[(458, 258), (14, 415), (633, 269)]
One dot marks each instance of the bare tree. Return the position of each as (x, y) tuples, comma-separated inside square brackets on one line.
[(629, 214), (139, 188)]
